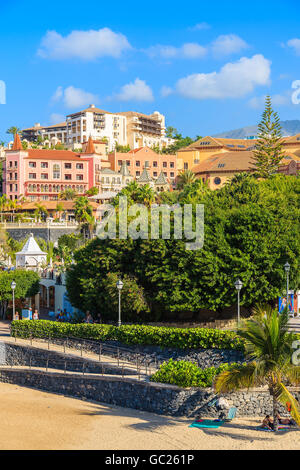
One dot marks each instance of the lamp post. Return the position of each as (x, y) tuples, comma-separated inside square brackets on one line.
[(287, 268), (238, 285), (13, 286), (119, 287)]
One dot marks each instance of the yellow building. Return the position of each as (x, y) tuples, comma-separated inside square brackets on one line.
[(197, 152)]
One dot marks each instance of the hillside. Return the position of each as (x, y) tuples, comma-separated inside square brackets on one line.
[(288, 128)]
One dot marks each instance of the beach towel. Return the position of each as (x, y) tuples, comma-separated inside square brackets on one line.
[(280, 428), (207, 423)]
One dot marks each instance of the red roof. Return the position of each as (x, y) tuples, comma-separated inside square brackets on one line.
[(17, 145), (43, 154)]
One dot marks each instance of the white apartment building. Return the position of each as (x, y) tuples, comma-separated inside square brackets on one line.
[(56, 132), (146, 130), (124, 128), (98, 124)]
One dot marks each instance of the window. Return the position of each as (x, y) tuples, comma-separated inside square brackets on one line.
[(10, 164), (44, 165), (165, 164), (32, 165), (155, 164), (171, 164), (154, 173), (137, 163), (44, 176), (68, 165), (137, 173), (10, 187), (185, 166), (16, 164), (32, 176), (120, 162), (68, 177), (16, 176), (172, 174), (128, 162), (16, 187), (196, 162), (56, 172), (79, 166), (79, 177), (221, 165), (217, 180), (165, 173)]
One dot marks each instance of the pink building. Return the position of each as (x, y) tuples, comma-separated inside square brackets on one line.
[(43, 174)]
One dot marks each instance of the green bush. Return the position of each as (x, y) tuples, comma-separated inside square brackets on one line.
[(186, 374), (189, 338)]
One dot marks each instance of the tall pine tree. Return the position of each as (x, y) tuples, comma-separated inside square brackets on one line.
[(268, 152)]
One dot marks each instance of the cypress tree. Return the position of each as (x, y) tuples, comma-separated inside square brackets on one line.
[(268, 152)]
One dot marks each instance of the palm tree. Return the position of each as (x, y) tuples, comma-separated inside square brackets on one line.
[(41, 211), (186, 177), (146, 195), (268, 351), (68, 194), (59, 209), (13, 130)]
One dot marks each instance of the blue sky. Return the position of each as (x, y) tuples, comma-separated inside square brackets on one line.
[(206, 65)]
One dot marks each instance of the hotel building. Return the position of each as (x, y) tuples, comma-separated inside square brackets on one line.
[(128, 128)]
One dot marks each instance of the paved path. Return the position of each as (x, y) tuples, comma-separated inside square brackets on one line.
[(145, 372)]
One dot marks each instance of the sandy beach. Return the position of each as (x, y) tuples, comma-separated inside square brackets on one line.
[(31, 419)]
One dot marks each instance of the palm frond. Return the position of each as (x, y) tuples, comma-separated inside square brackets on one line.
[(237, 377), (283, 395)]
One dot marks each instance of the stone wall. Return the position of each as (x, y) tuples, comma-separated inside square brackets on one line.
[(140, 395), (48, 234), (155, 355), (18, 355)]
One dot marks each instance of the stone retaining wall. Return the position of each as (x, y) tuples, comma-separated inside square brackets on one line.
[(140, 395), (18, 355)]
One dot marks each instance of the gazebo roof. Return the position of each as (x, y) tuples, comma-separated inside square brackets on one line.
[(31, 247)]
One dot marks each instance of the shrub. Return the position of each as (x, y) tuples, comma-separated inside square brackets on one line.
[(190, 338), (187, 374)]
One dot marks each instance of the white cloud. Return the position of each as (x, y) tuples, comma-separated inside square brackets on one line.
[(294, 44), (284, 99), (228, 44), (190, 50), (74, 97), (166, 91), (135, 91), (57, 96), (234, 80), (85, 45), (57, 118), (200, 26)]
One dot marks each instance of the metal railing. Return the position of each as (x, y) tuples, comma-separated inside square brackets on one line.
[(123, 357)]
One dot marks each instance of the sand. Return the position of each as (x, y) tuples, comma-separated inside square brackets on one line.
[(35, 420)]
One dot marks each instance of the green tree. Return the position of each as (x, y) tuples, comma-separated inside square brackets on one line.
[(27, 285), (13, 130), (68, 194), (186, 177), (269, 352), (268, 152), (92, 191)]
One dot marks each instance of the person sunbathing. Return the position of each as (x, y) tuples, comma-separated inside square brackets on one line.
[(285, 421), (268, 423)]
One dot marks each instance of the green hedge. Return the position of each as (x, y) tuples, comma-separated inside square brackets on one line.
[(186, 374), (189, 338)]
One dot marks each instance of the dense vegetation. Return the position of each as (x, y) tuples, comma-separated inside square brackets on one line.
[(187, 374), (27, 285), (192, 338), (251, 230)]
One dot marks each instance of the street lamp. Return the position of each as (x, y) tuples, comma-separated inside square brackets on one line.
[(119, 287), (238, 285), (287, 268), (13, 286)]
